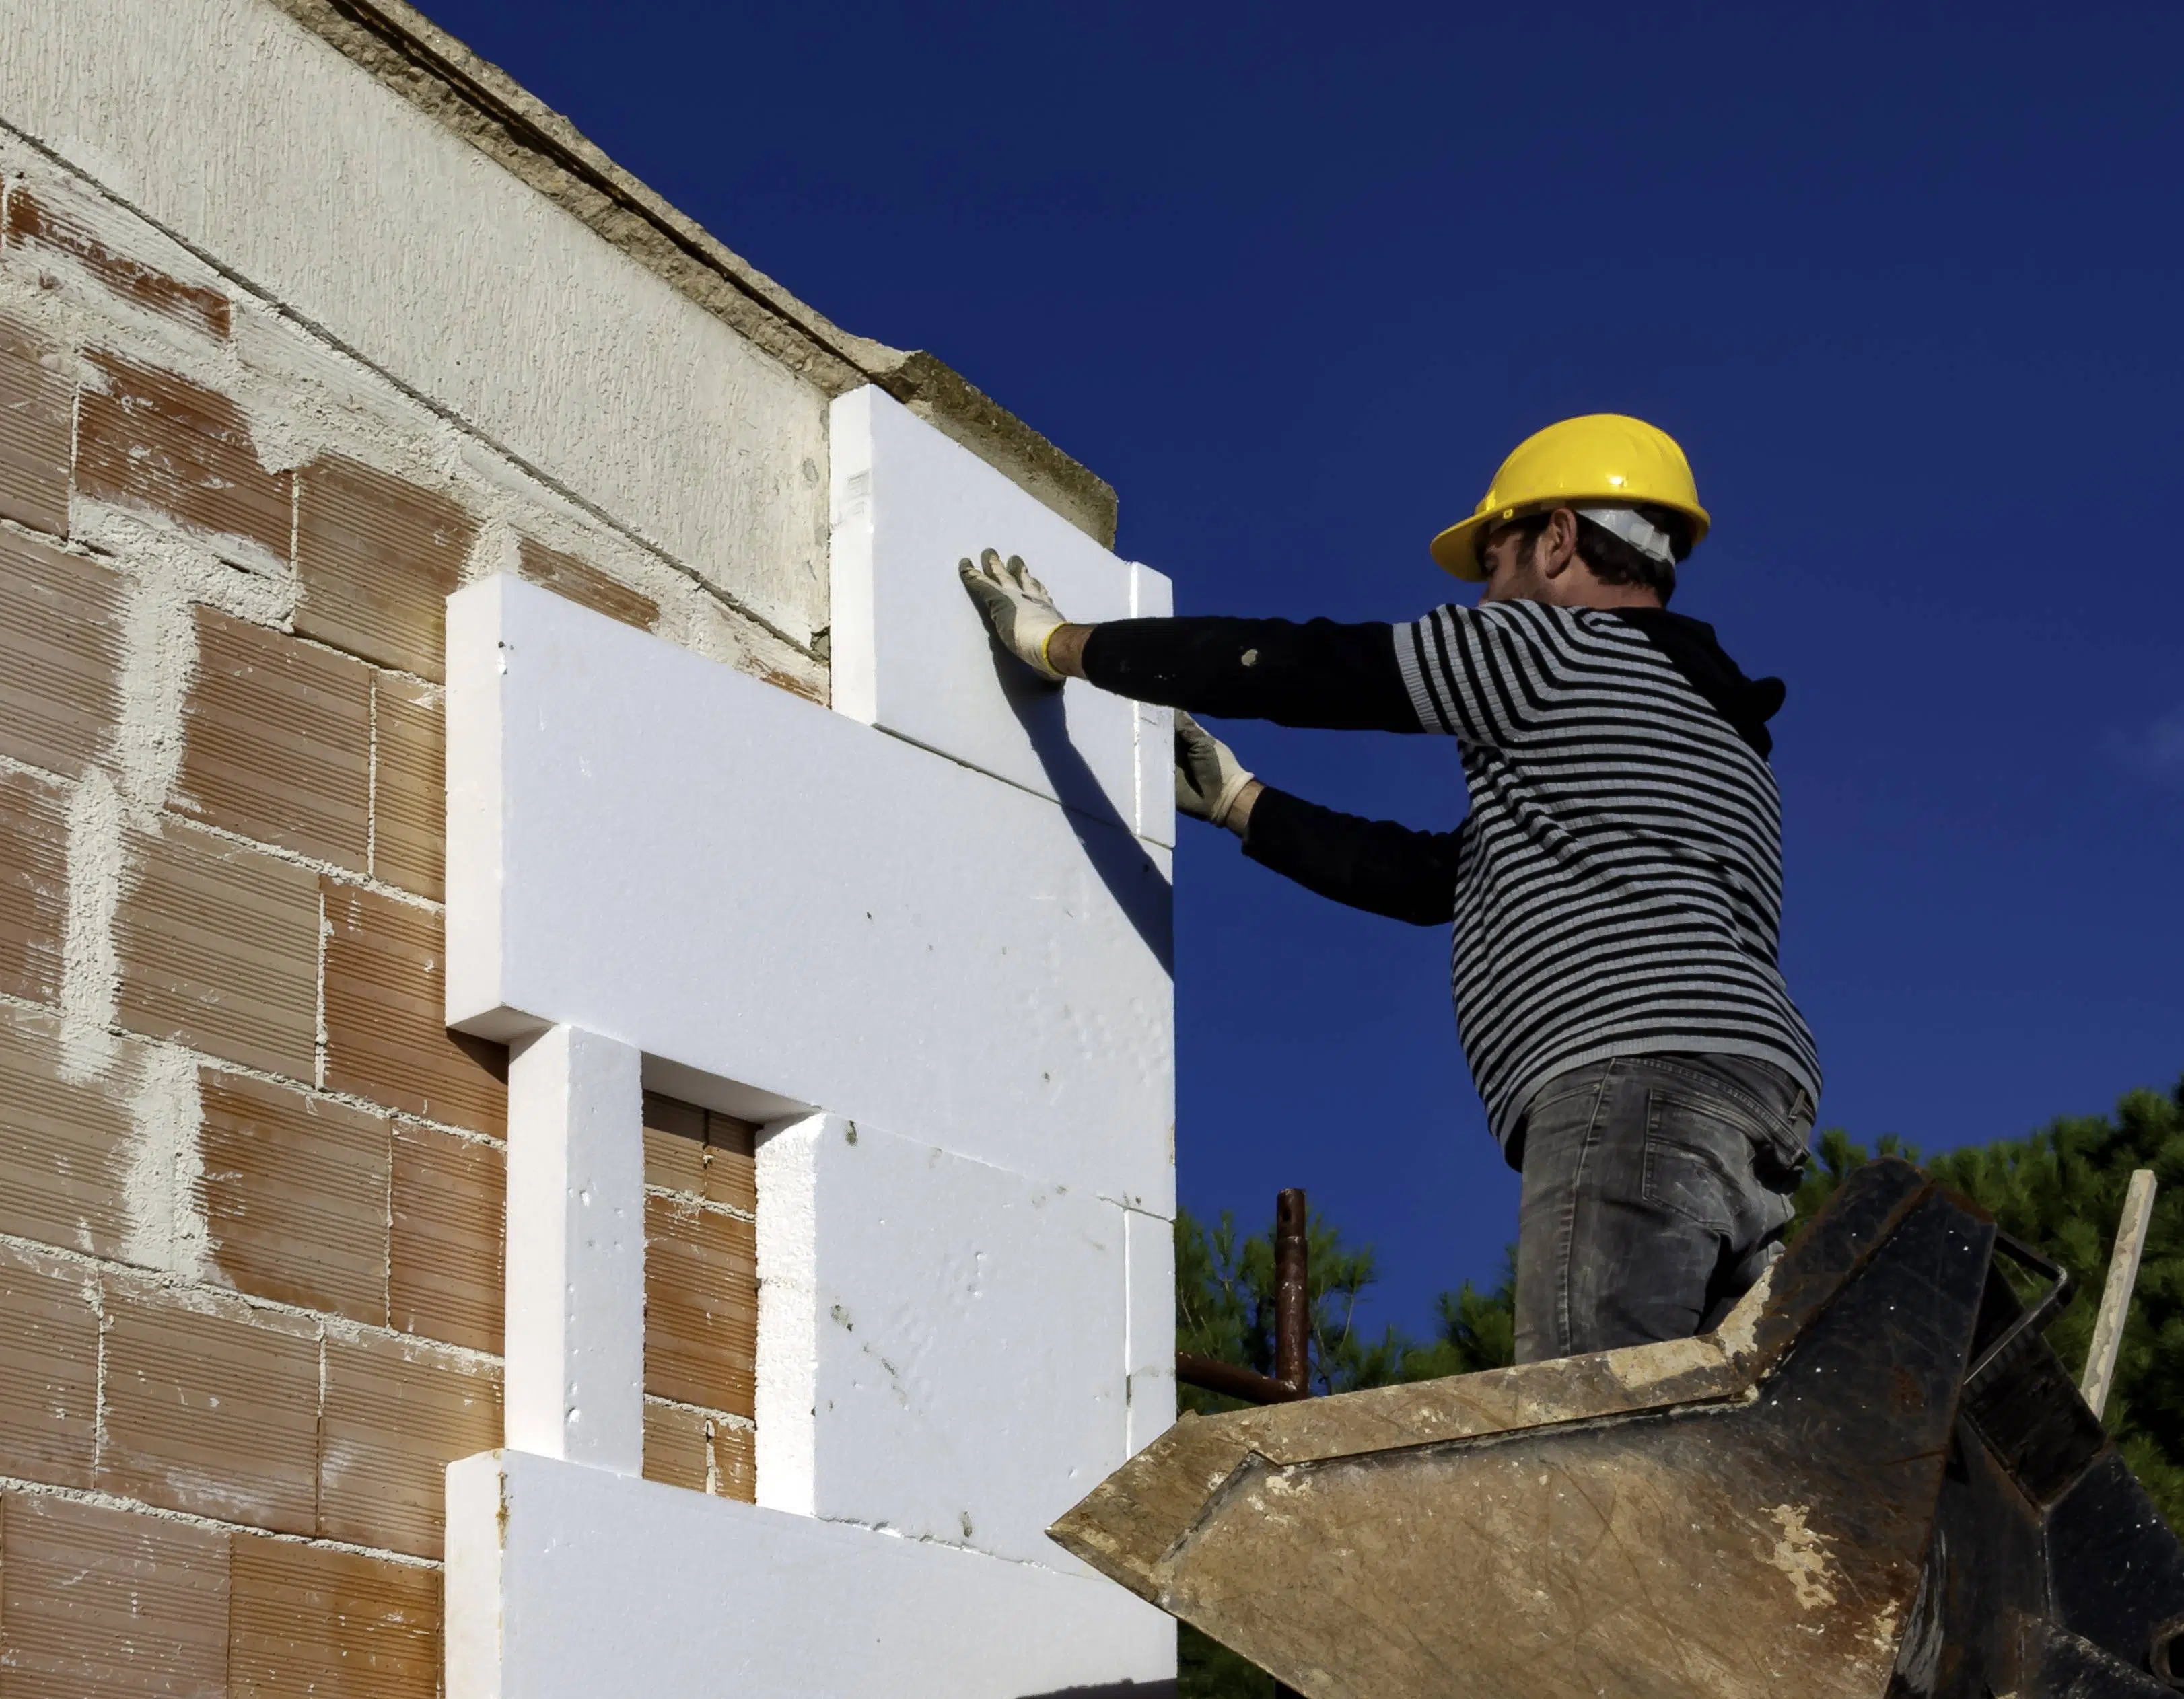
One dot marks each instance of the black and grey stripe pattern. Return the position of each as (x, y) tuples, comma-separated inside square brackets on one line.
[(1619, 879)]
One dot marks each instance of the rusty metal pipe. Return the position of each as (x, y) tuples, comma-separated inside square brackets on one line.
[(1232, 1381), (1292, 1293), (1292, 1376)]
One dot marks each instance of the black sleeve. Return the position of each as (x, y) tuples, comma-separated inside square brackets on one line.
[(1373, 865), (1342, 678)]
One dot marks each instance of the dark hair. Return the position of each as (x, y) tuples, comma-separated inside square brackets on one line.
[(1612, 560)]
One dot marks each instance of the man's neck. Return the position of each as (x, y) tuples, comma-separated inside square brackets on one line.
[(1596, 595)]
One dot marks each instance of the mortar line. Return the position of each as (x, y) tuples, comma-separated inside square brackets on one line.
[(727, 1417), (296, 858), (320, 937), (708, 1206), (371, 780), (204, 1058), (95, 1499), (345, 1328), (98, 1381), (319, 1441), (128, 566)]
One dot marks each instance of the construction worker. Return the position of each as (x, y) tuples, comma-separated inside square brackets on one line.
[(1615, 889)]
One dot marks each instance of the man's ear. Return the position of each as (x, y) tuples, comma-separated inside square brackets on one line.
[(1556, 550)]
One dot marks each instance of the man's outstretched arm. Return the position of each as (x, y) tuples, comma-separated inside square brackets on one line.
[(1341, 677), (1374, 865)]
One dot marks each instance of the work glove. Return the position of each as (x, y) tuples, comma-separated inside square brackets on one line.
[(1208, 777), (1017, 606)]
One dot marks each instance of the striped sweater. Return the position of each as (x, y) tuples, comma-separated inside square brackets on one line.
[(1616, 888)]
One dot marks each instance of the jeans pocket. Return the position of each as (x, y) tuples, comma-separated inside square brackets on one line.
[(1782, 1157), (1694, 1155)]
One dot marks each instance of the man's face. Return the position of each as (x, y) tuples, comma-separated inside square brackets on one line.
[(1513, 570)]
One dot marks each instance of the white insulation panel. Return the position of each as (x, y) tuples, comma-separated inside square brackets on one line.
[(656, 848), (910, 653), (566, 1582), (1148, 1345), (957, 1372)]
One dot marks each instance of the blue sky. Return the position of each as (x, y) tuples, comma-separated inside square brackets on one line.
[(1902, 280)]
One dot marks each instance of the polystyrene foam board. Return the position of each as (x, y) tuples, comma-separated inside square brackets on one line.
[(1153, 597), (956, 1340), (911, 653), (566, 1582), (743, 885), (575, 1381), (1149, 1349)]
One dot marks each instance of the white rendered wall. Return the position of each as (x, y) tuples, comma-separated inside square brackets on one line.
[(682, 1593), (237, 127), (911, 656), (647, 845)]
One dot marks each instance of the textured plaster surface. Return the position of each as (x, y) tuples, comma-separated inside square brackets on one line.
[(304, 396), (764, 1604), (478, 102), (254, 139), (776, 895)]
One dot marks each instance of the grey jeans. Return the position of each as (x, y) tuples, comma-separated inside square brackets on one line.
[(1657, 1189)]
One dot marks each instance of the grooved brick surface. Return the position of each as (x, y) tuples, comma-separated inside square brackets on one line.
[(450, 1209), (398, 1412), (36, 400), (294, 1194), (277, 742), (303, 1619), (151, 439), (60, 655), (375, 558), (33, 223), (675, 1445), (700, 1306), (113, 1603), (565, 575), (66, 1143), (219, 949), (409, 786), (385, 1004), (735, 1462), (699, 1153), (210, 1408), (33, 886), (48, 1369), (686, 1448)]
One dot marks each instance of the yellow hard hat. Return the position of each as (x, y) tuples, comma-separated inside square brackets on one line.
[(1601, 459)]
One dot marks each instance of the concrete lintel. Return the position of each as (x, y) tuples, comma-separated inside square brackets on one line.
[(480, 103)]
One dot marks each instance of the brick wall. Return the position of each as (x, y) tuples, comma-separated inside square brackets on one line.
[(251, 1191)]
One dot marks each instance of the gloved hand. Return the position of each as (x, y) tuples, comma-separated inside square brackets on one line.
[(1208, 777), (1017, 606)]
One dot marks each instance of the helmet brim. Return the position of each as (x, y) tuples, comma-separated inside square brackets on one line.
[(1456, 550)]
